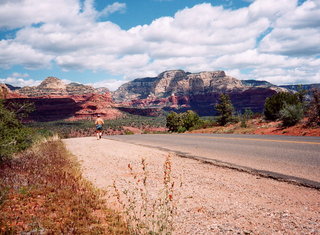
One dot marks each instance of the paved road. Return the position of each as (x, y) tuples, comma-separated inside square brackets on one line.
[(295, 159)]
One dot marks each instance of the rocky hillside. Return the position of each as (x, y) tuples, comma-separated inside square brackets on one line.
[(7, 93), (171, 90), (52, 86), (178, 82), (256, 83), (179, 90), (55, 100)]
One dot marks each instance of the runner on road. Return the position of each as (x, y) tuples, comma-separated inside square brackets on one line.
[(99, 123)]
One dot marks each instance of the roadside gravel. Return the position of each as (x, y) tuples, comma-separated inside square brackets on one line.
[(212, 200)]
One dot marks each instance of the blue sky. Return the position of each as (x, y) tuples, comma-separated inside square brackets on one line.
[(107, 43)]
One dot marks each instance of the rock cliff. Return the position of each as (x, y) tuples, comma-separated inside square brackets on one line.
[(7, 93), (171, 90), (177, 82), (55, 100), (179, 90)]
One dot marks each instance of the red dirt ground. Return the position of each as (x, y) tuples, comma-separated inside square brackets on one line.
[(260, 127)]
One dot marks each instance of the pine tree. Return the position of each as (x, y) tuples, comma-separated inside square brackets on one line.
[(225, 109)]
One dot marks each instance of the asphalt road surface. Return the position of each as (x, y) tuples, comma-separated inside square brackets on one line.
[(291, 158)]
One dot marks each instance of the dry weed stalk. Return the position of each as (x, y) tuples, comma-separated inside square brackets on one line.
[(145, 212)]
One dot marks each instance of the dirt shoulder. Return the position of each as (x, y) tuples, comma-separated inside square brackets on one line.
[(261, 127), (212, 200)]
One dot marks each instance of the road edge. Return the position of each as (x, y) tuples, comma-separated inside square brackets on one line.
[(262, 173)]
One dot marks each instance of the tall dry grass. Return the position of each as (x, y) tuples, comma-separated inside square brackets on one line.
[(42, 192), (147, 212)]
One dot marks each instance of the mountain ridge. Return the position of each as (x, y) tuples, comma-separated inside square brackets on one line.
[(178, 90), (55, 86), (175, 90)]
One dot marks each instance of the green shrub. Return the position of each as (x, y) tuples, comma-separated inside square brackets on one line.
[(202, 124), (21, 110), (174, 121), (248, 114), (190, 119), (243, 123), (183, 121), (275, 103), (14, 137), (181, 129), (225, 109), (128, 132), (291, 114)]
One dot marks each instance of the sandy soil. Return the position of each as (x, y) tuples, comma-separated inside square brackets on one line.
[(212, 200)]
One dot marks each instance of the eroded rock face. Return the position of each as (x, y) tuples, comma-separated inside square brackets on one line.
[(6, 93), (52, 83), (171, 90), (97, 104), (179, 90), (48, 109), (178, 82), (56, 100)]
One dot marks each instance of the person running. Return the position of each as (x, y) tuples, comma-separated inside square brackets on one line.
[(99, 123)]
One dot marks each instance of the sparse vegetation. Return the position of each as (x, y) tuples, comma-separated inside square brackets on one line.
[(67, 129), (146, 213), (42, 192), (247, 115)]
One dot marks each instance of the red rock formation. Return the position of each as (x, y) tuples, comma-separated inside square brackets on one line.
[(56, 100), (97, 104), (6, 93), (171, 90), (178, 90)]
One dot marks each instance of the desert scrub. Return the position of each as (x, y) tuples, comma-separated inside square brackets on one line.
[(43, 192), (70, 129), (148, 213), (291, 114)]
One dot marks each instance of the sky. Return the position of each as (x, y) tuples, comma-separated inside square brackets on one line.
[(106, 43)]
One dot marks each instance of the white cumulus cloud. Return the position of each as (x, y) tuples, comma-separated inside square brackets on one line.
[(115, 7), (278, 36), (111, 84), (296, 33), (19, 80)]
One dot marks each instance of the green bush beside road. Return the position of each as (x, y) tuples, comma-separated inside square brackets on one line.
[(14, 136)]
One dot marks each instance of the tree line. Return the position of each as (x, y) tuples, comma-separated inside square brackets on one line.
[(289, 108)]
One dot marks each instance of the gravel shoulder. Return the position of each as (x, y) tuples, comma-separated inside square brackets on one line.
[(212, 200)]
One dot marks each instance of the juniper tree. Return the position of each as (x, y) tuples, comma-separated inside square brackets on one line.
[(277, 102), (174, 121)]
